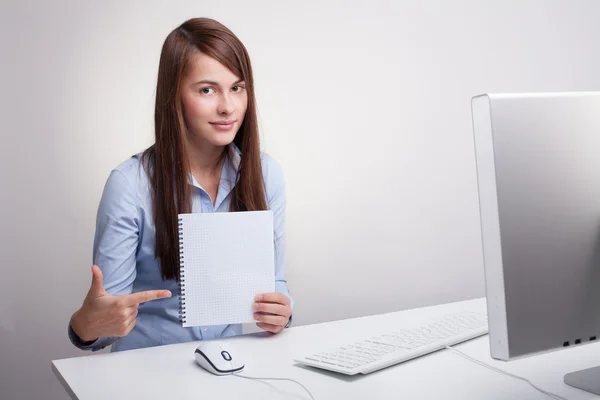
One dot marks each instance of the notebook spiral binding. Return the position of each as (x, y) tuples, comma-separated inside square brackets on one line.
[(181, 275)]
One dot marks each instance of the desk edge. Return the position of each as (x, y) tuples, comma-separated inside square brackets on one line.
[(62, 380)]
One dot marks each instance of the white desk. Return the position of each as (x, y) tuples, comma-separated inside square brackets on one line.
[(170, 372)]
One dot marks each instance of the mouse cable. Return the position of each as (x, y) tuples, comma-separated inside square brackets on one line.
[(552, 395), (274, 379)]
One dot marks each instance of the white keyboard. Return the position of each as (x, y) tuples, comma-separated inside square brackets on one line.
[(392, 348)]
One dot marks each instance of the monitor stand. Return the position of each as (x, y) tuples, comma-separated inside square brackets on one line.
[(586, 379)]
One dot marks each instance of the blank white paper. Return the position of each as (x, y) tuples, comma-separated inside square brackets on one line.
[(227, 259)]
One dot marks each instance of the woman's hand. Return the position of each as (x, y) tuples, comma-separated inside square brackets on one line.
[(105, 315), (273, 311)]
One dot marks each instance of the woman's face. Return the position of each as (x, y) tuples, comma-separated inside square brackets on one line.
[(214, 102)]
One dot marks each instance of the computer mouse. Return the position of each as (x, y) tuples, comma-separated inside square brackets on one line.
[(218, 358)]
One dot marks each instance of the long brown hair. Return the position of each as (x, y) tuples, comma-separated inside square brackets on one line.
[(166, 161)]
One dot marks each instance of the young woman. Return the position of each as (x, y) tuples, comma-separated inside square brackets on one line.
[(206, 158)]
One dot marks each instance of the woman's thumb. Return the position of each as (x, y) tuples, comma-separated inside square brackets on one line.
[(97, 287)]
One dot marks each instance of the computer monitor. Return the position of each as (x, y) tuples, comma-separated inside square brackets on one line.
[(538, 172)]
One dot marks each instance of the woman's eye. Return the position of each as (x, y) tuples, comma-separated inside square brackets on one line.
[(238, 88), (206, 90)]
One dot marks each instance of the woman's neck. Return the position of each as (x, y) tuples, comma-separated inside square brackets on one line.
[(205, 161)]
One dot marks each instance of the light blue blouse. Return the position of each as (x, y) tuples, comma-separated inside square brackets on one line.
[(124, 250)]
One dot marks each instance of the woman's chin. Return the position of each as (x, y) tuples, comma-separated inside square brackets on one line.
[(216, 139), (221, 140)]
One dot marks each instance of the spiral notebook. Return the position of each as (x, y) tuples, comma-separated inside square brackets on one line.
[(226, 259)]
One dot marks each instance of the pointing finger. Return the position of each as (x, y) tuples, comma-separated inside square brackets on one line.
[(148, 295)]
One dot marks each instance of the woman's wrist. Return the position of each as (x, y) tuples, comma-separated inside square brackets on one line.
[(79, 328)]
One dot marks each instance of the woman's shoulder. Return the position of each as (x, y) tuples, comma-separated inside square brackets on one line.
[(131, 168), (129, 175), (123, 192), (273, 174)]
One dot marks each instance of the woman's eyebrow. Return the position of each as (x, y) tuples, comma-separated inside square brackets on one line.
[(209, 82)]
